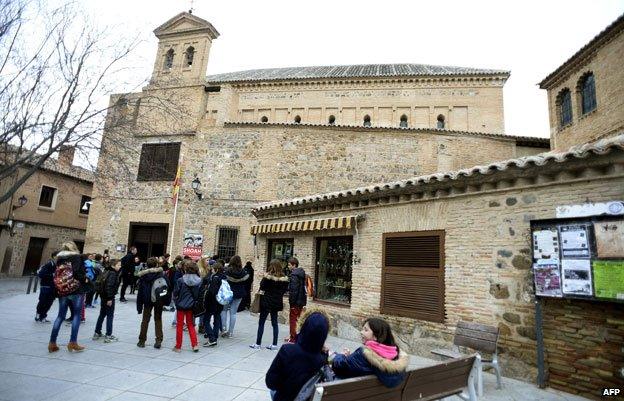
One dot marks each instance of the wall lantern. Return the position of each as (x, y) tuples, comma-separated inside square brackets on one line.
[(20, 202), (195, 184)]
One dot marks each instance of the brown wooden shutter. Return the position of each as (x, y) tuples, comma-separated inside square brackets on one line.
[(413, 275)]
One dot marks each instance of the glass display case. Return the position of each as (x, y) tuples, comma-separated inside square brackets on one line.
[(282, 249), (334, 257)]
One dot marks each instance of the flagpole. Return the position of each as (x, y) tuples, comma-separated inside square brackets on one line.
[(176, 199), (175, 215)]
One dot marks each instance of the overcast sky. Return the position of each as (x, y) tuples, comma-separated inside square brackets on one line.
[(529, 38)]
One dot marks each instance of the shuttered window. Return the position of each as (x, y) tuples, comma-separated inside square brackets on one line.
[(413, 275), (159, 161)]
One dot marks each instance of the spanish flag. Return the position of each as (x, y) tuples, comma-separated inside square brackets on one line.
[(176, 184)]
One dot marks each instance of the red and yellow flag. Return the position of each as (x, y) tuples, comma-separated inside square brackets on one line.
[(176, 184)]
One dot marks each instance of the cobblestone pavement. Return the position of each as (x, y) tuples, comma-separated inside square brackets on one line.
[(122, 371)]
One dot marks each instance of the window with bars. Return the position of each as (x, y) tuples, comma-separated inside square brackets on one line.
[(47, 198), (587, 87), (227, 238), (159, 161), (564, 103), (413, 275)]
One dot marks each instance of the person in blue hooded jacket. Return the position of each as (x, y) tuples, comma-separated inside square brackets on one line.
[(296, 363), (380, 356)]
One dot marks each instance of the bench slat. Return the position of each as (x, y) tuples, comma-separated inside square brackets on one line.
[(481, 335), (475, 343), (477, 327), (447, 353)]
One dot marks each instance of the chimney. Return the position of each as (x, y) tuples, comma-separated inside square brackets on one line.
[(66, 155)]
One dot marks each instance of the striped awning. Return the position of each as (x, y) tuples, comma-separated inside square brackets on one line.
[(332, 223)]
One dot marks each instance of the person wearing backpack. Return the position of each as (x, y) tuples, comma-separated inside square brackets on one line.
[(152, 295), (273, 285), (213, 307), (297, 363), (106, 285), (92, 276), (297, 298), (46, 289), (98, 267), (70, 282), (236, 278), (185, 294)]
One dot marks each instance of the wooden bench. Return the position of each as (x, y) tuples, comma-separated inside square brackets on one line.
[(480, 338), (429, 383)]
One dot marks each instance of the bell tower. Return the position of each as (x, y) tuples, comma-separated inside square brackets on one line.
[(183, 48)]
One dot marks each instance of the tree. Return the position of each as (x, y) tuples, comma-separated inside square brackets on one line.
[(57, 73)]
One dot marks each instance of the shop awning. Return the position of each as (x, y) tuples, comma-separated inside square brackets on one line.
[(332, 223)]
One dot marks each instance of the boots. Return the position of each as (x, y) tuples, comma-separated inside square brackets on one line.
[(75, 347), (52, 347)]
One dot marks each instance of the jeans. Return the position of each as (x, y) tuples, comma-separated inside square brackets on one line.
[(263, 316), (108, 313), (75, 302), (46, 299), (212, 331), (190, 324), (232, 308), (147, 314)]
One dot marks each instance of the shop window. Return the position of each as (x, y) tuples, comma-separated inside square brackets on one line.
[(282, 249), (334, 257), (169, 59), (587, 87), (403, 122), (297, 120), (332, 120), (367, 121), (564, 107), (189, 55), (227, 240), (264, 119), (159, 161), (47, 198), (85, 204), (440, 123), (413, 275)]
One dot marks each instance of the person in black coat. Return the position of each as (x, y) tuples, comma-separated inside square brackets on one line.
[(46, 289), (127, 272), (213, 308), (246, 302), (273, 285), (297, 297), (296, 363), (107, 302), (146, 279), (236, 278), (69, 256)]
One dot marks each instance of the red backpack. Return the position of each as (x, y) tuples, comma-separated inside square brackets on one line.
[(64, 280)]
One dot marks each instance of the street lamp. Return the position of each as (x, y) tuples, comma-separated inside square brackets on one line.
[(86, 205), (20, 202), (195, 184)]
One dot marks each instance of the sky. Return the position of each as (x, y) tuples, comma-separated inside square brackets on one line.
[(529, 38)]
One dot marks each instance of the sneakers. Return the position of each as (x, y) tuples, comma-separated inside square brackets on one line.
[(176, 349), (141, 344), (224, 334), (110, 339), (255, 346), (210, 343), (123, 300), (44, 320), (96, 336), (157, 345), (272, 347), (195, 348)]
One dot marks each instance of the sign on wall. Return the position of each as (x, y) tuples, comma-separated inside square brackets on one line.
[(193, 244)]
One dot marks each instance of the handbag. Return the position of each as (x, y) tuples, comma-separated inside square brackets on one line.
[(255, 305), (325, 374)]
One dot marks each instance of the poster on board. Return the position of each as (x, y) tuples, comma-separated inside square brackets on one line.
[(574, 241), (577, 277), (609, 279), (546, 244), (193, 244), (547, 278), (609, 239)]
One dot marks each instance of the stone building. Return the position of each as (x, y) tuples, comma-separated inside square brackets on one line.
[(586, 93), (256, 136), (51, 207)]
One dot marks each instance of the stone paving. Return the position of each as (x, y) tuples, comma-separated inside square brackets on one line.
[(122, 371)]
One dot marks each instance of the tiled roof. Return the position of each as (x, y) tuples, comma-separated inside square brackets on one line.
[(349, 71), (520, 140), (598, 40), (601, 147)]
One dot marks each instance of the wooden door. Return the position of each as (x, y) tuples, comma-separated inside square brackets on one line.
[(34, 254)]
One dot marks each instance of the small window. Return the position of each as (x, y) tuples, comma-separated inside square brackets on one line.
[(332, 120), (85, 204), (159, 161), (227, 240), (169, 59), (47, 197), (367, 121), (189, 55), (264, 119), (587, 88), (564, 107), (297, 120), (403, 123), (440, 123)]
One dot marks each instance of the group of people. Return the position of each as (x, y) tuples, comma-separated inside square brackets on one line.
[(212, 290)]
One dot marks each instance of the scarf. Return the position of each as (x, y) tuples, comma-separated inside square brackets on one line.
[(385, 351)]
